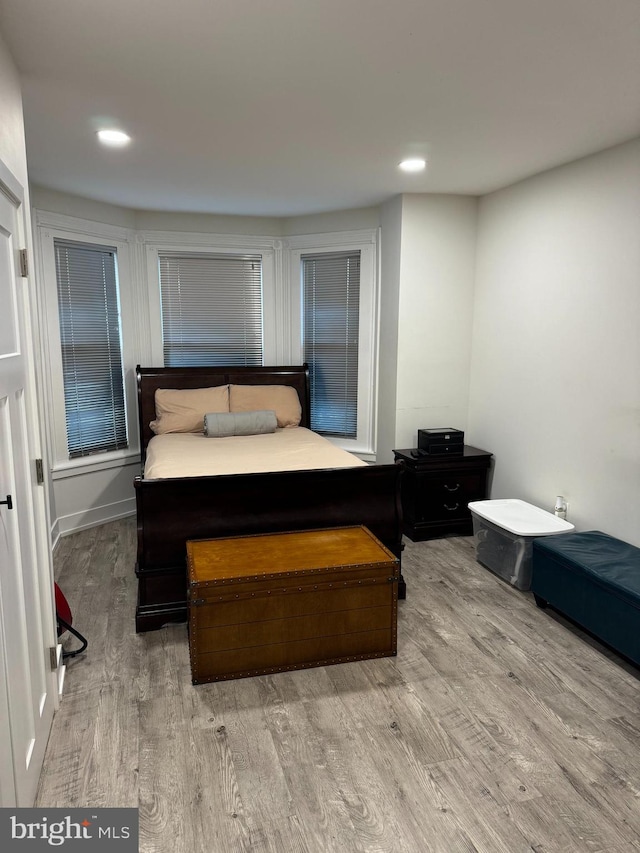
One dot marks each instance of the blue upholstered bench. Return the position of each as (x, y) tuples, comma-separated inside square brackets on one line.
[(594, 579)]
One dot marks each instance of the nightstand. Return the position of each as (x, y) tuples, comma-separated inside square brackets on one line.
[(436, 491)]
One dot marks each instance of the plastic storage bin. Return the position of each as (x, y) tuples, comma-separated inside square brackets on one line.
[(505, 530)]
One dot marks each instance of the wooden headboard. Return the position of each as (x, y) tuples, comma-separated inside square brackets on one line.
[(148, 379)]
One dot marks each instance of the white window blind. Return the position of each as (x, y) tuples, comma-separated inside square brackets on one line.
[(211, 309), (91, 347), (330, 339)]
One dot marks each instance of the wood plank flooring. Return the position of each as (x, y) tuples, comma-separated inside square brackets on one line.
[(499, 728)]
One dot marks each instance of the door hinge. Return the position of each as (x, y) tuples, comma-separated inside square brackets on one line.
[(24, 263), (53, 657), (39, 472)]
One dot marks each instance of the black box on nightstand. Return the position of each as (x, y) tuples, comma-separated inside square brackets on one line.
[(444, 441)]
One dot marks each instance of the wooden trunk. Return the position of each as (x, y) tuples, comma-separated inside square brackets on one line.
[(275, 602)]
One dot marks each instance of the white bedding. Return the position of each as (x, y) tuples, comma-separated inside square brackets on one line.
[(192, 455)]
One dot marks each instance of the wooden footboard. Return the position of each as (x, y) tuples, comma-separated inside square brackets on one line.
[(172, 511)]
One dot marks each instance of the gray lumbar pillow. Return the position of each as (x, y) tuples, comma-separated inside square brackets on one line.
[(222, 424)]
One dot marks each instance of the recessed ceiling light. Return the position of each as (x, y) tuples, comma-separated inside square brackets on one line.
[(115, 138), (413, 164)]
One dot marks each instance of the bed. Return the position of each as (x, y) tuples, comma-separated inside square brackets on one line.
[(173, 509)]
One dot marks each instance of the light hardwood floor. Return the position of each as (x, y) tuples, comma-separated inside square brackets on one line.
[(498, 728)]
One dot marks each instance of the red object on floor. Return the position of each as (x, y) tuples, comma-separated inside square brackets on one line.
[(63, 611), (64, 620)]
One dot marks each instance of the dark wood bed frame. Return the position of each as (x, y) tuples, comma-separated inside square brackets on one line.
[(171, 511)]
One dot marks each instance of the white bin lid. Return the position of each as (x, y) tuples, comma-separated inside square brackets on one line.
[(520, 518)]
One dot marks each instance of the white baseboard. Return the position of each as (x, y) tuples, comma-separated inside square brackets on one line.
[(95, 516)]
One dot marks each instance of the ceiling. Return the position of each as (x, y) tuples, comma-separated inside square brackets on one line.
[(288, 107)]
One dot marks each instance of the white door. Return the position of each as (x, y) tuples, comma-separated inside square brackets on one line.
[(28, 686)]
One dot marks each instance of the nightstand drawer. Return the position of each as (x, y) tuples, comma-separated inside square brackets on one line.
[(448, 496), (436, 491)]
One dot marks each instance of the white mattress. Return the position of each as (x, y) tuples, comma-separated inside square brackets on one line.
[(294, 449)]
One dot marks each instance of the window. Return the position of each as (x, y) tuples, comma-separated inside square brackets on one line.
[(334, 328), (89, 317), (331, 299), (211, 309)]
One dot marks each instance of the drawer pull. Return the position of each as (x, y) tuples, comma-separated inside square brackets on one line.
[(451, 508), (452, 488)]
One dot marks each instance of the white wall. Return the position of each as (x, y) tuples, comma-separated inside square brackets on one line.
[(151, 220), (207, 223), (434, 313), (83, 208), (12, 142), (390, 252), (555, 382), (201, 223), (87, 497), (339, 220)]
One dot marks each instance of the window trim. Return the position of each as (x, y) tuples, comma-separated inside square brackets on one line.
[(157, 242), (366, 242), (49, 227)]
